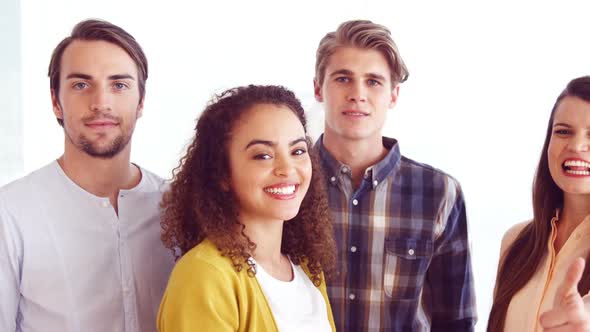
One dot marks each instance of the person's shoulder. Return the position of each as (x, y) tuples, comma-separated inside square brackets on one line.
[(152, 180), (203, 257), (436, 176), (425, 168), (511, 235), (22, 187)]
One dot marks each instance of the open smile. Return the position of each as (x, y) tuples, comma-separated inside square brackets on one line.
[(576, 167), (282, 191)]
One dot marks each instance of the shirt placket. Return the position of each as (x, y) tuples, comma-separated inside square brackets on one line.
[(354, 245), (120, 227)]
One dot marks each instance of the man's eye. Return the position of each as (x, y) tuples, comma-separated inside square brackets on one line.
[(372, 82), (342, 79), (80, 85), (120, 86)]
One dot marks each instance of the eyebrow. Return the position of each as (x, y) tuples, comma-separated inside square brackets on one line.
[(272, 144), (112, 77), (350, 73)]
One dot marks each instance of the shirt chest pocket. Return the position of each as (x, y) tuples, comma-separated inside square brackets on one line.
[(406, 263)]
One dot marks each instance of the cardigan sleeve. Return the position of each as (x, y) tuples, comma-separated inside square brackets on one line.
[(199, 297)]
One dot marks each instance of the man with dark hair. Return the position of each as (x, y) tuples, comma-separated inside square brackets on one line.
[(80, 245), (400, 225)]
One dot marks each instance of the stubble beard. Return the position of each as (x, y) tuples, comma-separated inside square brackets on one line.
[(109, 151)]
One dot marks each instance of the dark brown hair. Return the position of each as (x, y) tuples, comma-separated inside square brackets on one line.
[(92, 30), (524, 255), (197, 206), (365, 35)]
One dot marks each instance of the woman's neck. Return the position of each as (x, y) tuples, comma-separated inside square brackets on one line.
[(268, 238), (575, 209)]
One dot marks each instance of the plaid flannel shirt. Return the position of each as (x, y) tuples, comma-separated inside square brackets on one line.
[(403, 250)]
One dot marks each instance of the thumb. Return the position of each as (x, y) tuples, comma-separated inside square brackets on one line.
[(568, 290)]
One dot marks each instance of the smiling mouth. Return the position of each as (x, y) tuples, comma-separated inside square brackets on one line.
[(285, 191), (576, 167), (355, 113)]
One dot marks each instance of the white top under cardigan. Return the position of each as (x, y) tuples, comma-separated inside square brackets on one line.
[(296, 305)]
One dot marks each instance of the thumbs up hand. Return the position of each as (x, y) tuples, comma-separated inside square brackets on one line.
[(570, 311)]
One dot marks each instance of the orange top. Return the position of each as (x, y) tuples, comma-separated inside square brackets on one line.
[(538, 295)]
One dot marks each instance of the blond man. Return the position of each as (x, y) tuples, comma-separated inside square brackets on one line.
[(400, 225)]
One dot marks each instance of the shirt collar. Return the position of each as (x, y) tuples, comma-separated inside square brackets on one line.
[(377, 173)]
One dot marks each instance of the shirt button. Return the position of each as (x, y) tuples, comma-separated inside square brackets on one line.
[(333, 179), (105, 204), (411, 252), (375, 183), (345, 169), (353, 249), (355, 202), (351, 296)]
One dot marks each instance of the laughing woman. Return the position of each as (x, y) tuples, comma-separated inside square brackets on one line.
[(539, 265), (248, 213)]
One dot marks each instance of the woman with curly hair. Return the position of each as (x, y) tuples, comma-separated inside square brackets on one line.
[(248, 213), (541, 283)]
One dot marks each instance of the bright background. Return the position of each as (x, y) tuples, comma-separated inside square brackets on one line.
[(483, 78)]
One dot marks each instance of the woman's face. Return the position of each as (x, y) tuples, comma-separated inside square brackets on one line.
[(569, 147), (270, 168)]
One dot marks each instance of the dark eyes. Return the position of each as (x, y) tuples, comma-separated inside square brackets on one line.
[(299, 152), (262, 156), (562, 131), (266, 156)]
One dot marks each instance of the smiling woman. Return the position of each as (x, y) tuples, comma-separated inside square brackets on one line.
[(248, 210), (540, 281)]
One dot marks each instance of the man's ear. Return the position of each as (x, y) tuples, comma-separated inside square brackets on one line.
[(394, 95), (140, 108), (317, 91), (56, 106)]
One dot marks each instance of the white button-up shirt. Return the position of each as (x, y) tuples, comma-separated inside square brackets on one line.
[(69, 263)]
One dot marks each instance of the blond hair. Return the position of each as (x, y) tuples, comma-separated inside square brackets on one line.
[(365, 35)]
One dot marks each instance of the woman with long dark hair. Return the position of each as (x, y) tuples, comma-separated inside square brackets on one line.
[(247, 211), (539, 259)]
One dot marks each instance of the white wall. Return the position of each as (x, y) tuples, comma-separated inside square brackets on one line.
[(11, 124), (483, 78)]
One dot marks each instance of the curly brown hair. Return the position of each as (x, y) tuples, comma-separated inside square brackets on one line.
[(197, 206)]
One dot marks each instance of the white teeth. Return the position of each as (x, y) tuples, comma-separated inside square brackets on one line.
[(576, 163), (288, 190), (577, 172)]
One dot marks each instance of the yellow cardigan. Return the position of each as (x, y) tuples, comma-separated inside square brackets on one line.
[(206, 293)]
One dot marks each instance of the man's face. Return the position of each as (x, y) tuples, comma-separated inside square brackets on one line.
[(357, 92), (98, 97)]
